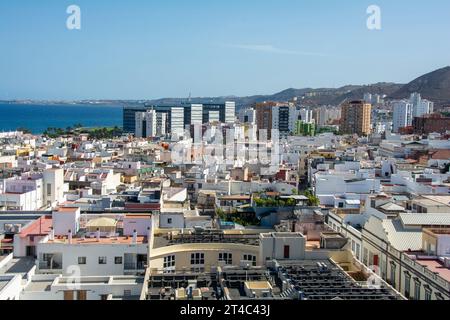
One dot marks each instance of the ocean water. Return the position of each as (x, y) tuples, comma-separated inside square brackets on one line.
[(37, 118)]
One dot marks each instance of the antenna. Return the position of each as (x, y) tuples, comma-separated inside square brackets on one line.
[(189, 98)]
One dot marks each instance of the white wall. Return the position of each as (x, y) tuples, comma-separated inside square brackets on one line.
[(273, 246), (65, 221), (141, 226), (177, 220), (92, 252), (12, 289)]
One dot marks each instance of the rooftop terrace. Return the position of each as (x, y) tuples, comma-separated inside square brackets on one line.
[(204, 236)]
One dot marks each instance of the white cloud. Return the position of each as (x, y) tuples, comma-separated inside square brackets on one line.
[(271, 49)]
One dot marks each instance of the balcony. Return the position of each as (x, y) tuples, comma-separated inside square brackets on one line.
[(48, 265), (134, 265)]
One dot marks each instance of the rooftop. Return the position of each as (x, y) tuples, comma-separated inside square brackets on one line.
[(39, 227), (204, 236), (102, 240), (324, 280), (436, 266)]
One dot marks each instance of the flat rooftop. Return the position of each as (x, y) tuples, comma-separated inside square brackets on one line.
[(435, 266), (208, 236), (3, 283), (18, 266), (102, 240), (324, 280), (39, 285)]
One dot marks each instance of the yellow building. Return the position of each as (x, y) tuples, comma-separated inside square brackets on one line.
[(356, 118)]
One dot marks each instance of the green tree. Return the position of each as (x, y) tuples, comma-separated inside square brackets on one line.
[(24, 130), (312, 199)]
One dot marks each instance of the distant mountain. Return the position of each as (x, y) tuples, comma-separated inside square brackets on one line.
[(434, 86), (307, 96)]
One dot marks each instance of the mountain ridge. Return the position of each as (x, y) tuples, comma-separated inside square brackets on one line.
[(434, 86)]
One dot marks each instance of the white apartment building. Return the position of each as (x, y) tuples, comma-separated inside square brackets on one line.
[(402, 115), (420, 106), (327, 114), (94, 246), (58, 287), (32, 191)]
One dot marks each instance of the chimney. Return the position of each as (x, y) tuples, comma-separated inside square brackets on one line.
[(134, 236), (69, 237), (98, 234), (52, 234)]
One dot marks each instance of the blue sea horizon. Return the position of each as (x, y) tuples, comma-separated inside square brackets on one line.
[(38, 117)]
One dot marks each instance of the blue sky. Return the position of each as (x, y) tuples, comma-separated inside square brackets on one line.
[(145, 49)]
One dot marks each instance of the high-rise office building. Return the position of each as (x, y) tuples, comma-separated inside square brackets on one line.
[(356, 117), (196, 114), (129, 117), (402, 115), (247, 116), (145, 124), (177, 122), (264, 116), (161, 124), (230, 112), (177, 117), (280, 118)]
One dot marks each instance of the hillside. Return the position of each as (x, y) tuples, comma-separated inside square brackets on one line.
[(434, 86)]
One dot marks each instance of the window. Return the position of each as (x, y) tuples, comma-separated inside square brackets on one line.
[(101, 260), (227, 257), (375, 260), (81, 260), (250, 257), (427, 294), (169, 263), (417, 286), (49, 189), (286, 252), (118, 260), (169, 220), (358, 250), (393, 268), (366, 256), (197, 258), (407, 285)]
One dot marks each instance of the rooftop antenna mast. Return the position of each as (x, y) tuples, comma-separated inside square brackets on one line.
[(189, 98)]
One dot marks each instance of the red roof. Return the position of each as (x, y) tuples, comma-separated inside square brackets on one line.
[(442, 154), (39, 227), (142, 206)]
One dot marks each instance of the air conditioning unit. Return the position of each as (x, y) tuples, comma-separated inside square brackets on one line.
[(265, 294)]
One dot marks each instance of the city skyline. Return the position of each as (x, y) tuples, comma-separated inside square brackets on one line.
[(153, 50)]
